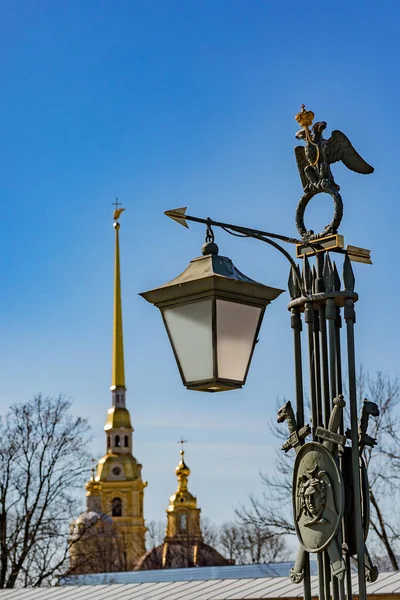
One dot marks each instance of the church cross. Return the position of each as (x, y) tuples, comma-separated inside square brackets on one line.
[(116, 204), (93, 469), (181, 442)]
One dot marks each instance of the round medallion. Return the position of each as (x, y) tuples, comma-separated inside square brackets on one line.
[(318, 497), (116, 471)]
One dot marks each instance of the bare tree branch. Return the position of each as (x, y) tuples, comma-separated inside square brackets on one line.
[(43, 459)]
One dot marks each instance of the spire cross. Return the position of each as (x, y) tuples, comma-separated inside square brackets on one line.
[(181, 442), (93, 469), (116, 204)]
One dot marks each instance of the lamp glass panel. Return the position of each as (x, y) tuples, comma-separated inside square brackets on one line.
[(236, 329), (190, 329)]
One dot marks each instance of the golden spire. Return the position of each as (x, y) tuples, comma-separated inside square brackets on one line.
[(118, 370)]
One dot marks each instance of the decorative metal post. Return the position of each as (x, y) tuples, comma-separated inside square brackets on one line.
[(329, 502), (330, 484)]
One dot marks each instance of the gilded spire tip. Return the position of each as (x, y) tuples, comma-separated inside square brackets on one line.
[(118, 211), (181, 442), (118, 370)]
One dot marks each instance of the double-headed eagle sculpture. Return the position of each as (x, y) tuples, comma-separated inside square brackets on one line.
[(314, 160)]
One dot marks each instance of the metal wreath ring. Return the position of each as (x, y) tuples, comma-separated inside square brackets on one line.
[(333, 226)]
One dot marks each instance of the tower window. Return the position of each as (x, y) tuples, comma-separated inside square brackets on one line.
[(117, 398), (108, 441), (117, 441), (182, 522), (126, 442), (116, 507)]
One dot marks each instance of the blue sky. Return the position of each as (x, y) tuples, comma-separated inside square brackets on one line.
[(169, 103)]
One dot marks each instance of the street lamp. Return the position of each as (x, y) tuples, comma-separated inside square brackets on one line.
[(212, 313)]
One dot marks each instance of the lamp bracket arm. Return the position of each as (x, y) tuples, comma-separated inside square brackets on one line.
[(286, 254), (237, 230)]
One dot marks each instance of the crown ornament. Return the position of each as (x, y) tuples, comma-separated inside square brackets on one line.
[(304, 117)]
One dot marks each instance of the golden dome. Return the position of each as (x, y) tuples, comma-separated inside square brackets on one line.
[(182, 497), (182, 468), (117, 418), (129, 464)]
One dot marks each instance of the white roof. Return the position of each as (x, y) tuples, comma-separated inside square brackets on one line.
[(215, 589)]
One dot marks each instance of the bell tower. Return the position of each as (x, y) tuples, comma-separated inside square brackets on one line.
[(183, 545), (118, 479), (183, 516)]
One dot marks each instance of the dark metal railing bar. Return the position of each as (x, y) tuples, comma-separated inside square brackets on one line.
[(339, 378), (346, 587), (349, 315), (317, 370), (337, 585), (323, 400), (335, 589), (309, 319), (321, 580), (296, 324), (324, 363), (327, 574), (307, 578), (331, 318)]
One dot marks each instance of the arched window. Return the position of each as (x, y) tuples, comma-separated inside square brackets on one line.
[(108, 441), (117, 398), (117, 507), (117, 441), (126, 442), (182, 522)]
